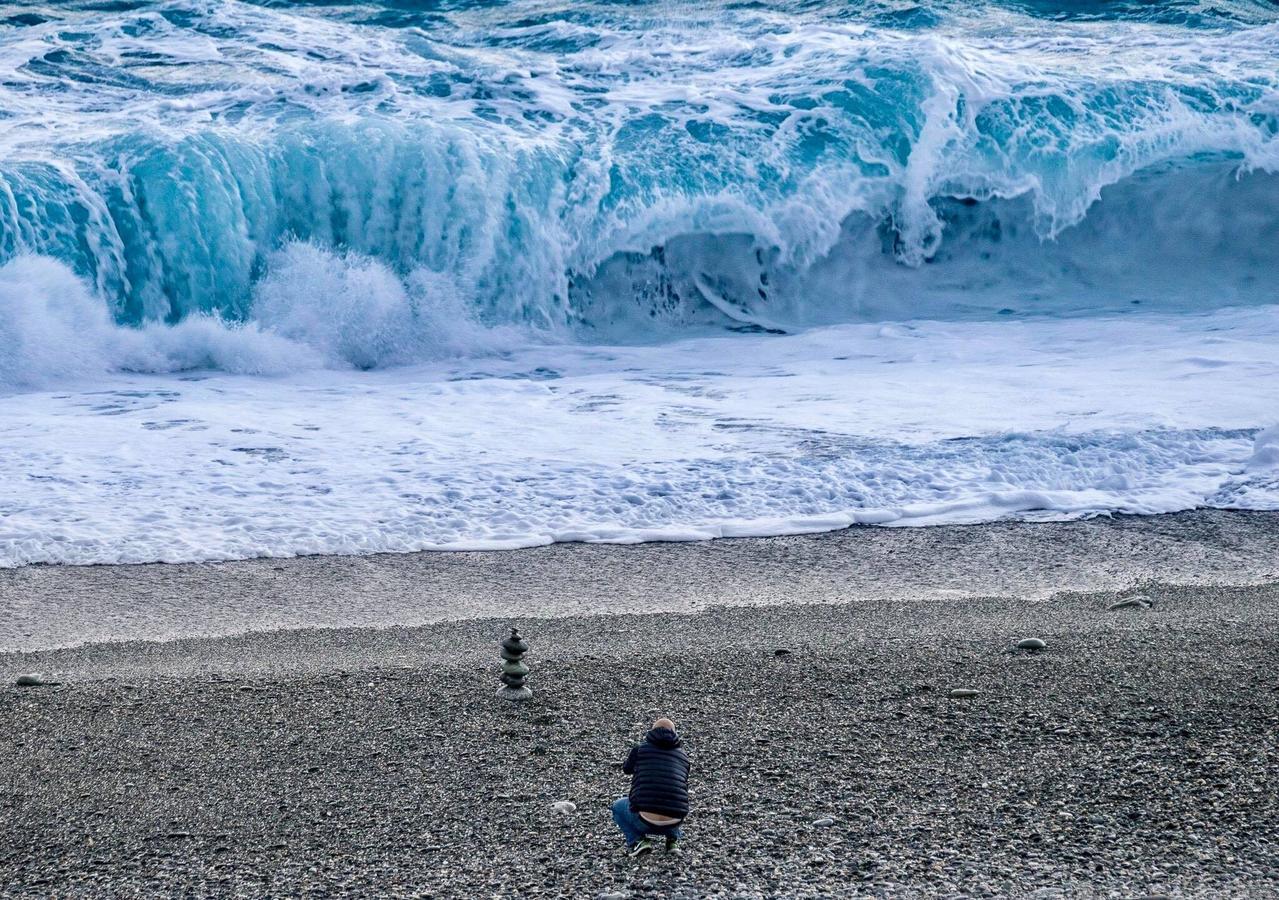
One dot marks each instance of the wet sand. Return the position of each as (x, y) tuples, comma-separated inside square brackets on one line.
[(52, 606)]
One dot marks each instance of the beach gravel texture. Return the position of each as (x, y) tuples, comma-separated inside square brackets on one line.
[(1135, 755)]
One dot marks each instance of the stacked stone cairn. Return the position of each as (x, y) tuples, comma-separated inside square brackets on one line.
[(513, 669)]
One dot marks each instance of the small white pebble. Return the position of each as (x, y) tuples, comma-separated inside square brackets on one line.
[(564, 806)]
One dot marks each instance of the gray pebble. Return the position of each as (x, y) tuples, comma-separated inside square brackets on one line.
[(31, 679), (964, 693), (1031, 644), (824, 822)]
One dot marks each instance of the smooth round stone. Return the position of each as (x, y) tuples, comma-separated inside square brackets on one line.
[(564, 806), (515, 645), (964, 693), (1031, 644), (824, 822), (515, 693), (31, 679)]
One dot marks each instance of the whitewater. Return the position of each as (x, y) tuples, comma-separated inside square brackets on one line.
[(282, 279)]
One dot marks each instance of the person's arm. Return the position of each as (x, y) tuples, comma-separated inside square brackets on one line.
[(629, 766)]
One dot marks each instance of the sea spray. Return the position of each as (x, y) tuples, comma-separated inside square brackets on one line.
[(53, 328)]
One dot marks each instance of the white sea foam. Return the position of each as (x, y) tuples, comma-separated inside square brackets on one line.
[(907, 423), (1265, 452)]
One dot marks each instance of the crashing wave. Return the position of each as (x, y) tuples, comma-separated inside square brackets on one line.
[(621, 177)]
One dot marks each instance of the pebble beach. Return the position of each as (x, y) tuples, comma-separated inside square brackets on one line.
[(873, 747)]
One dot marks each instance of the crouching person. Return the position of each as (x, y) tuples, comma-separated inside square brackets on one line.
[(658, 801)]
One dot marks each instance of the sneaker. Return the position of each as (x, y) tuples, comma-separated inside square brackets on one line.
[(672, 846), (642, 847)]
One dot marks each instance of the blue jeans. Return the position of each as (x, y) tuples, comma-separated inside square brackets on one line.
[(634, 828)]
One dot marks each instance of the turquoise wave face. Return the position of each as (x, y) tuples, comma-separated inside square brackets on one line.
[(622, 172)]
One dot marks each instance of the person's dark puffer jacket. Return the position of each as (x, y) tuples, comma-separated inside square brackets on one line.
[(659, 769)]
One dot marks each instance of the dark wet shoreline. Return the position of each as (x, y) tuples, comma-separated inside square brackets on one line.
[(59, 606)]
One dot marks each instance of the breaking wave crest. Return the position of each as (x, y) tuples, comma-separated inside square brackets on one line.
[(242, 193)]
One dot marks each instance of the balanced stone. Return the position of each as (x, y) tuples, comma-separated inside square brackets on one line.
[(1031, 644), (513, 669)]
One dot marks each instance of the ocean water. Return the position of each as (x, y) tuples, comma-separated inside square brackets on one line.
[(282, 278)]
